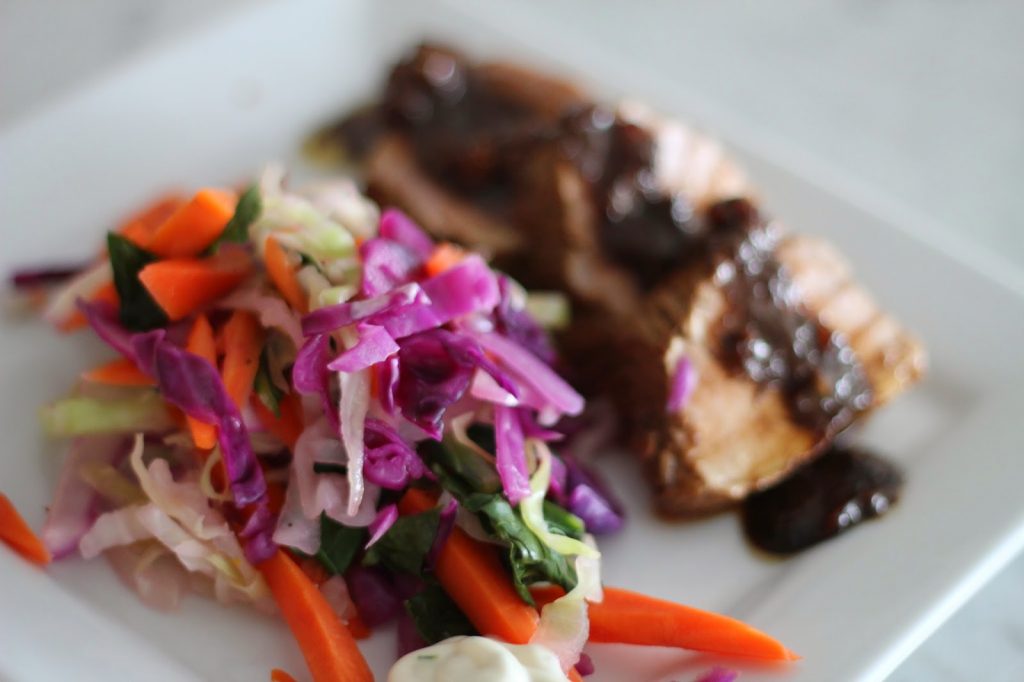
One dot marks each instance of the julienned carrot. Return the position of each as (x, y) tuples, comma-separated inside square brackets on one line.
[(194, 225), (282, 274), (445, 256), (180, 286), (472, 575), (243, 342), (16, 533), (287, 426), (107, 293), (278, 675), (139, 228), (625, 617), (328, 647), (201, 342), (574, 676), (120, 372)]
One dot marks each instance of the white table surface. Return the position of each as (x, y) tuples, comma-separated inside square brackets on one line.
[(920, 100)]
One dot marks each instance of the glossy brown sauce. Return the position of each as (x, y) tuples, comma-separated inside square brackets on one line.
[(829, 496)]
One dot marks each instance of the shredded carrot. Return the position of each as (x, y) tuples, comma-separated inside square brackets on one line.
[(445, 256), (119, 372), (278, 675), (139, 227), (574, 675), (288, 426), (328, 647), (625, 617), (472, 575), (200, 342), (194, 225), (282, 273), (181, 286), (18, 536), (243, 342), (107, 293)]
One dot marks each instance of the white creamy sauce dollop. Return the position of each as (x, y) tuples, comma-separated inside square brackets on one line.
[(478, 659)]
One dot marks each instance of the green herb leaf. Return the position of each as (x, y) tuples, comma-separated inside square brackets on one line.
[(139, 312), (267, 391), (563, 521), (436, 616), (248, 209), (338, 545), (405, 545)]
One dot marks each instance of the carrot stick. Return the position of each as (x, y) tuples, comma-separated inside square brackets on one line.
[(625, 617), (200, 342), (183, 285), (194, 225), (120, 372), (139, 228), (282, 274), (243, 342), (328, 647), (16, 533), (574, 676), (472, 575), (278, 675), (288, 426), (445, 256)]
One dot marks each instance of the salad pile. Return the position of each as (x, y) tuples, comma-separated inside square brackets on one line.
[(316, 410)]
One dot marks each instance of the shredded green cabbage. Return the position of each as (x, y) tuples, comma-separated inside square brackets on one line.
[(81, 416), (532, 508)]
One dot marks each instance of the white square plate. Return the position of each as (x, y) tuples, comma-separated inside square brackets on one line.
[(213, 109)]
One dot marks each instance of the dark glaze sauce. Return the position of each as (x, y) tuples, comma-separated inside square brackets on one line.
[(831, 495)]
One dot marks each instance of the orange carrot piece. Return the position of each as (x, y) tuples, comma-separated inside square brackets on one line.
[(445, 256), (283, 275), (180, 286), (328, 647), (194, 225), (358, 628), (574, 676), (16, 533), (243, 342), (288, 426), (278, 675), (625, 617), (139, 227), (200, 342), (119, 372), (472, 575), (107, 293)]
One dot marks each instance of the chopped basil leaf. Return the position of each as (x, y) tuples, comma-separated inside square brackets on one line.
[(436, 616), (338, 545), (248, 209), (138, 312), (404, 547)]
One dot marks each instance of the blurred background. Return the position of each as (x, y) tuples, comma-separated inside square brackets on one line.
[(920, 102)]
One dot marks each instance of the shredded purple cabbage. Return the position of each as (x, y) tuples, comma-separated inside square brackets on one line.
[(374, 345), (398, 227), (718, 674), (409, 639), (390, 461), (517, 324), (510, 453), (385, 518), (310, 375), (585, 666), (375, 596), (53, 274), (583, 493), (386, 265), (431, 377)]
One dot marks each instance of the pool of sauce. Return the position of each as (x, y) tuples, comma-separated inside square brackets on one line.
[(840, 489)]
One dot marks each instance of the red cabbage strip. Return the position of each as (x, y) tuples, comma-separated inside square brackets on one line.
[(311, 376), (386, 265), (530, 372), (510, 454), (374, 345), (102, 318), (343, 314), (468, 287), (390, 461), (387, 383), (384, 519), (54, 274), (398, 227)]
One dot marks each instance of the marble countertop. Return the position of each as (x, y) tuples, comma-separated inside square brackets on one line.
[(922, 100)]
